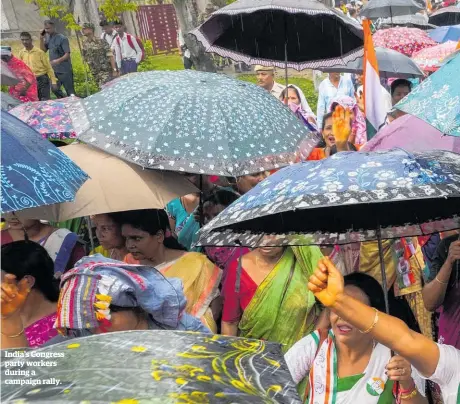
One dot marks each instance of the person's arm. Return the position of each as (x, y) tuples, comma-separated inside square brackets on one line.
[(434, 292), (327, 285), (117, 51), (109, 54), (66, 48), (138, 49), (49, 69), (43, 44), (300, 357), (321, 108), (230, 329)]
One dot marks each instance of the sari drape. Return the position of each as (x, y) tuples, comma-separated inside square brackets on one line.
[(283, 309), (201, 279)]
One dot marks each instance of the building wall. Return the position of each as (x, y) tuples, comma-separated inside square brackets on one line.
[(18, 16)]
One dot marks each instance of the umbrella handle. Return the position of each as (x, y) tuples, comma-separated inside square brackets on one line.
[(382, 269)]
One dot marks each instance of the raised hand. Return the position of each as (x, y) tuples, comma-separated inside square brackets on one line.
[(341, 124), (326, 282), (399, 369), (13, 294)]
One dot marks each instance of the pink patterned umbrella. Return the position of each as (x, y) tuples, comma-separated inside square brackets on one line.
[(429, 59), (402, 39)]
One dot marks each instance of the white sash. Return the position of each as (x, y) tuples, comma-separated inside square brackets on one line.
[(323, 377)]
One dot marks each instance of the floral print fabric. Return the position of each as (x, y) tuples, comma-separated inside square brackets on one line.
[(403, 40), (344, 199)]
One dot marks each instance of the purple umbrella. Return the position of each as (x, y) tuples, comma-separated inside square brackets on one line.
[(412, 134)]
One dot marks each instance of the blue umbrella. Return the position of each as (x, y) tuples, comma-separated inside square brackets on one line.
[(447, 33), (34, 172), (437, 99), (189, 121), (346, 198)]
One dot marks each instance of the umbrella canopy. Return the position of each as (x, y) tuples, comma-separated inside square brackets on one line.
[(34, 172), (412, 134), (346, 198), (389, 8), (115, 186), (447, 33), (49, 118), (413, 20), (8, 77), (192, 121), (391, 64), (403, 40), (446, 16), (430, 59), (273, 32), (154, 367), (437, 99), (8, 101)]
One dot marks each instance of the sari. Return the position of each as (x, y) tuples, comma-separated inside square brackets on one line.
[(26, 76), (282, 309), (201, 279), (186, 226), (41, 331)]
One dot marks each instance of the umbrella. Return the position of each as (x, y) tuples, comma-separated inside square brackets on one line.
[(403, 40), (115, 186), (446, 16), (389, 8), (429, 59), (345, 198), (34, 172), (274, 31), (391, 64), (8, 77), (437, 99), (190, 121), (447, 33), (49, 118), (412, 134), (153, 367), (8, 101), (413, 20)]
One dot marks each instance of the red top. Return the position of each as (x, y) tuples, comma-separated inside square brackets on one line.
[(235, 303)]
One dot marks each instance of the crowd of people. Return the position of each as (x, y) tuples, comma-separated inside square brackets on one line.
[(324, 304)]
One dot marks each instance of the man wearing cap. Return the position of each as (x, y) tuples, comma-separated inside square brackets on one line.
[(98, 56), (266, 79), (26, 89)]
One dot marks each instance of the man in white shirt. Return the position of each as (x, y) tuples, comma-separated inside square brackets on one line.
[(266, 79), (128, 53), (108, 32)]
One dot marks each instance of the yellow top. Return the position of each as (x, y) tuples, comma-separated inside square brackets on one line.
[(38, 62)]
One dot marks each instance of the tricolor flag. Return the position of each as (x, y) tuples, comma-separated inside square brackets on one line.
[(374, 107)]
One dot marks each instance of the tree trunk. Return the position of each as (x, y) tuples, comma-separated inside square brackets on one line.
[(186, 11)]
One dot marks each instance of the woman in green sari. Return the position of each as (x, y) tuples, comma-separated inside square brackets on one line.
[(269, 300)]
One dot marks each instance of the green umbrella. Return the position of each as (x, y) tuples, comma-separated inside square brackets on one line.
[(190, 121)]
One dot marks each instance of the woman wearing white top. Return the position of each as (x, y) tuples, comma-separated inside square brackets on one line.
[(439, 363)]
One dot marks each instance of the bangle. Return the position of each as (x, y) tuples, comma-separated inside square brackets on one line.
[(441, 282), (15, 335), (376, 319), (409, 396)]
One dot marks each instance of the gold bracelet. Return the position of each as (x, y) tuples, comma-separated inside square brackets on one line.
[(15, 335), (376, 319), (441, 282), (409, 396)]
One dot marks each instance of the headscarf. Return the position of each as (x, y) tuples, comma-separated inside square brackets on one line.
[(303, 100), (88, 290), (303, 116), (359, 123)]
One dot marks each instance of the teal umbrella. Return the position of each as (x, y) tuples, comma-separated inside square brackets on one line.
[(190, 121), (437, 99)]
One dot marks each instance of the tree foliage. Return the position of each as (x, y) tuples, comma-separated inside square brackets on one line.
[(112, 9), (57, 9)]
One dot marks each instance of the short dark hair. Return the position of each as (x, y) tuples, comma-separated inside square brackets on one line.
[(23, 258), (48, 22), (118, 22), (369, 286), (400, 83), (26, 35), (325, 118)]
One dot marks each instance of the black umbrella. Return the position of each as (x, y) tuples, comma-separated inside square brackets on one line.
[(286, 33), (414, 20), (391, 64), (149, 367), (375, 9), (446, 16)]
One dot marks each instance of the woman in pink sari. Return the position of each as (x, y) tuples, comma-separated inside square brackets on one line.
[(29, 264), (26, 90)]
